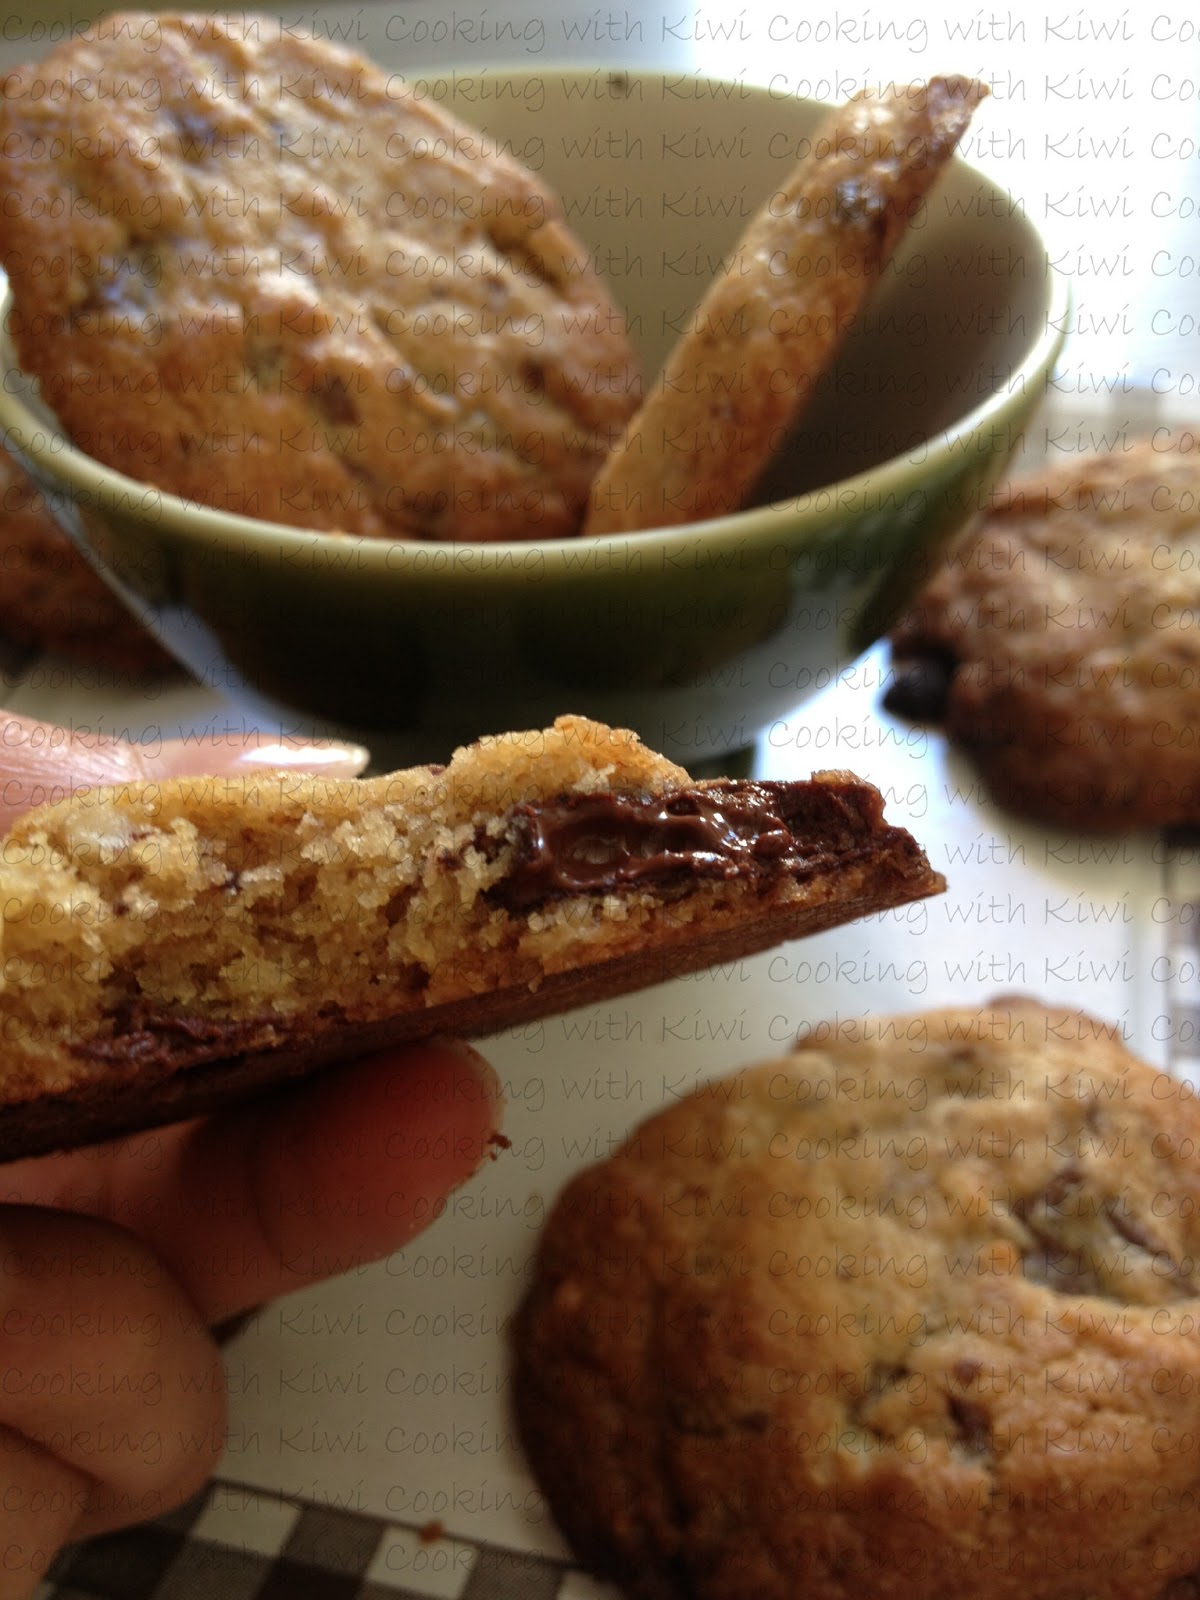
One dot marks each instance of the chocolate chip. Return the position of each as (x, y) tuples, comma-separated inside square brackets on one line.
[(972, 1426), (1061, 1184), (1185, 1588), (920, 687), (335, 402)]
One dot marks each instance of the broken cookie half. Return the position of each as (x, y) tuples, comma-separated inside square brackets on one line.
[(167, 947)]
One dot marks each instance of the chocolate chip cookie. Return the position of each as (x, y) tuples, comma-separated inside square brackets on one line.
[(50, 599), (911, 1312), (166, 946), (1059, 642), (257, 271), (771, 322)]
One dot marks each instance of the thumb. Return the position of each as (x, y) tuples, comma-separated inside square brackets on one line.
[(41, 763)]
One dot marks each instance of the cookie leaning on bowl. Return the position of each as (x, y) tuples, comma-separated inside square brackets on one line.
[(771, 323), (910, 1313), (167, 946), (257, 271), (1058, 643)]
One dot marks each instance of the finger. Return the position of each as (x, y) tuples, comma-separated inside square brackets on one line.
[(41, 763), (112, 1405), (318, 1180), (342, 1172), (253, 751), (41, 1503)]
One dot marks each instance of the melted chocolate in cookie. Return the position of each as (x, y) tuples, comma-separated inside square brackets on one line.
[(597, 844)]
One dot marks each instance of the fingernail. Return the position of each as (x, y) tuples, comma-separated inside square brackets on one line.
[(481, 1069), (479, 1082), (324, 759), (444, 1071)]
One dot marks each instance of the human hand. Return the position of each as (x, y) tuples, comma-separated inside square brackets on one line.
[(41, 763), (115, 1261)]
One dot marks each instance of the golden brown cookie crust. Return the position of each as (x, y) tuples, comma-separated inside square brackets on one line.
[(1066, 624), (770, 324), (254, 270), (909, 1313)]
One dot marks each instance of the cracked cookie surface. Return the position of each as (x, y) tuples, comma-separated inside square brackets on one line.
[(1058, 644), (910, 1312), (255, 270)]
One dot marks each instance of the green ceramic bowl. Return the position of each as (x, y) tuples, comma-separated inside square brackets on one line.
[(698, 637)]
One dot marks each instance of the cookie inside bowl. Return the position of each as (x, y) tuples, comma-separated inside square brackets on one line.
[(698, 636), (233, 290)]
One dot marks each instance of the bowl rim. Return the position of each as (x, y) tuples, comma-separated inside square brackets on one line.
[(27, 428)]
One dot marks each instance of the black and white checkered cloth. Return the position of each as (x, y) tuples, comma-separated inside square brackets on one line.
[(235, 1543)]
